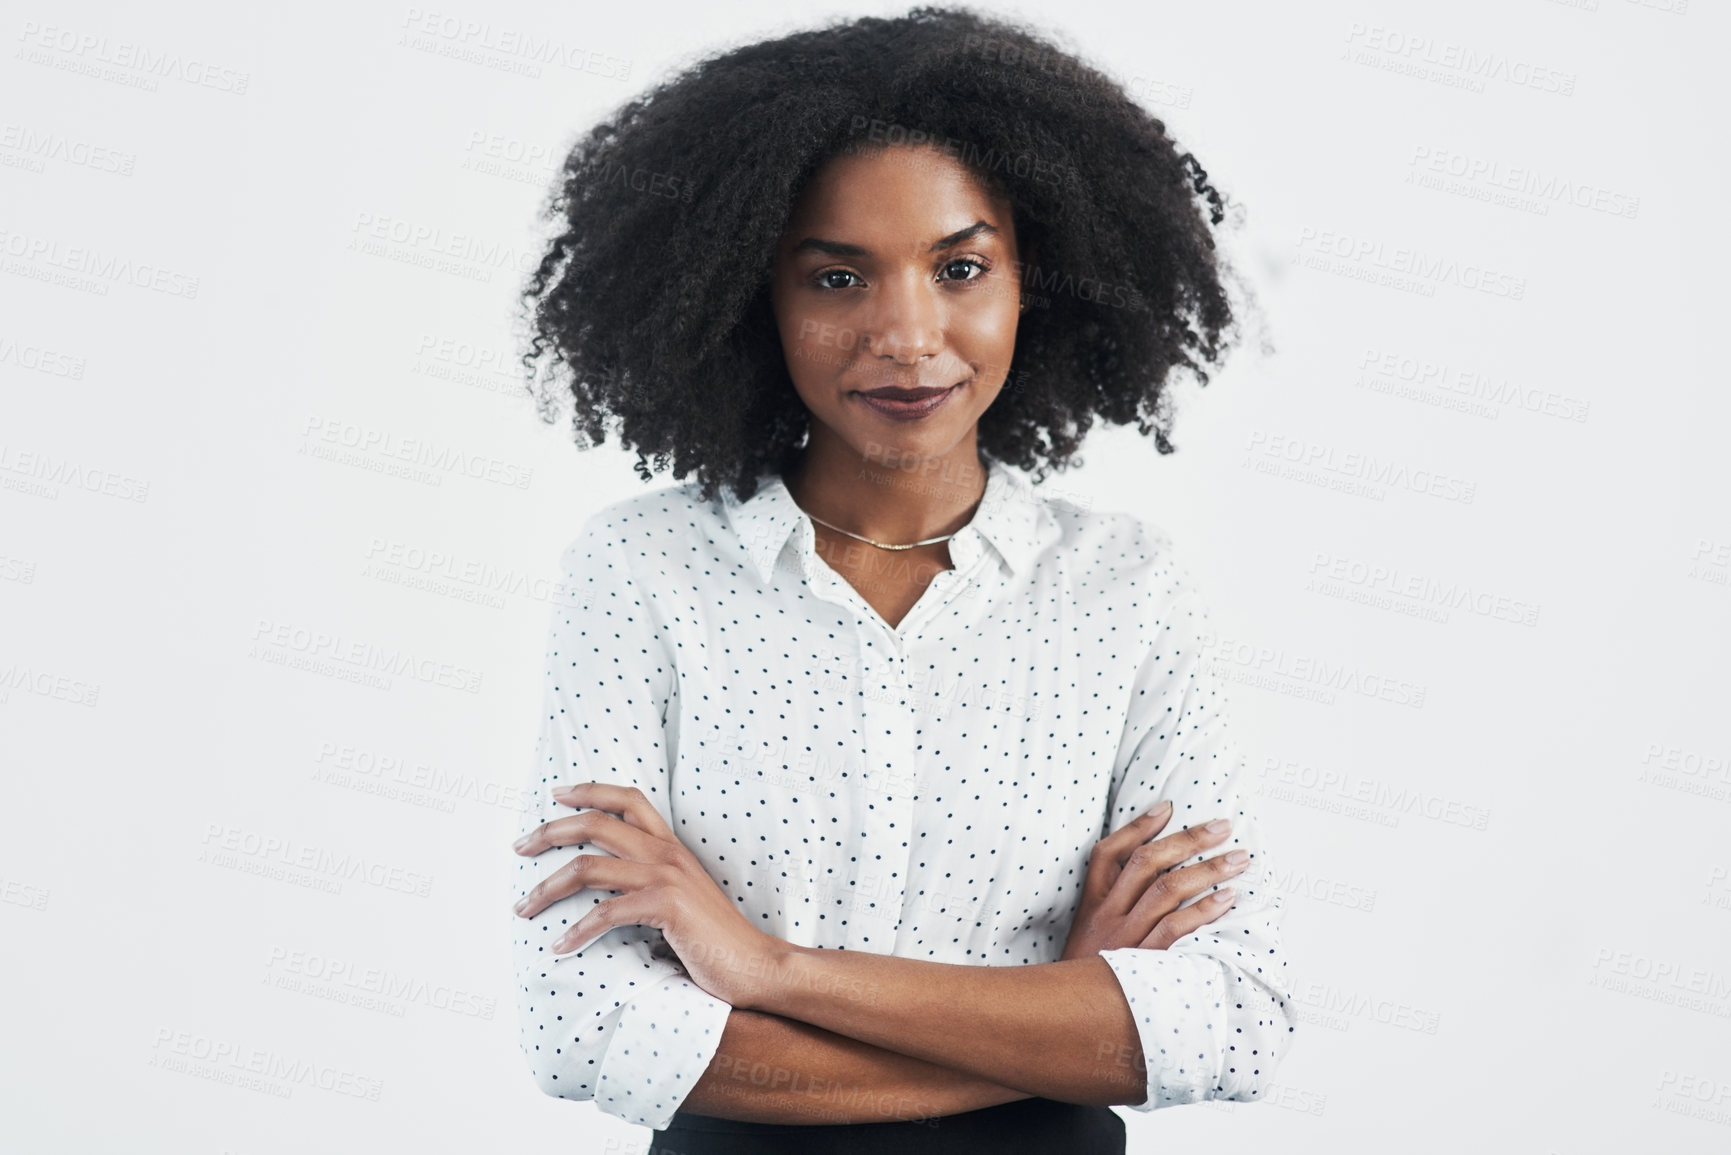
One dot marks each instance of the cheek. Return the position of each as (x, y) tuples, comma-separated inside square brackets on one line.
[(810, 358), (986, 336), (802, 334)]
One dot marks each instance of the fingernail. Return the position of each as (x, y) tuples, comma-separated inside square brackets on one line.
[(1162, 808), (563, 945), (522, 843), (1221, 897), (1218, 826), (1238, 858), (522, 904)]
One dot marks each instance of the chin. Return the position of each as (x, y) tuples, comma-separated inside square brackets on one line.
[(906, 450)]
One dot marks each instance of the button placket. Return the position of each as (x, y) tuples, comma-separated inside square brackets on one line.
[(880, 884)]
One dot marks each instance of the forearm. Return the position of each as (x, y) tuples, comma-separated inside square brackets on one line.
[(1059, 1030), (770, 1069)]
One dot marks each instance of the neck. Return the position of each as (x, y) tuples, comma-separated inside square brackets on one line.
[(894, 500)]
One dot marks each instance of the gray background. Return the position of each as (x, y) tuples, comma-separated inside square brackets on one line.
[(1503, 830)]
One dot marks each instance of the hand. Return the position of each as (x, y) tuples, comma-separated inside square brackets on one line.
[(662, 885), (1131, 895)]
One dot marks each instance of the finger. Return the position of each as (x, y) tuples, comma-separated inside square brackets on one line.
[(1189, 919), (1118, 844), (628, 802), (1107, 857), (634, 909), (585, 872), (1174, 888), (597, 828), (1147, 861)]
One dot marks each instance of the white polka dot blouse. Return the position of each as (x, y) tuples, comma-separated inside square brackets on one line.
[(930, 791)]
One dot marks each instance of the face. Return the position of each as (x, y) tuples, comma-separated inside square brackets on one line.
[(896, 291)]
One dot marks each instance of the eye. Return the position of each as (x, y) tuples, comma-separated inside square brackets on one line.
[(822, 280), (967, 263)]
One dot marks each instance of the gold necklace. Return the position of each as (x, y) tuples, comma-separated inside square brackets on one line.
[(880, 544)]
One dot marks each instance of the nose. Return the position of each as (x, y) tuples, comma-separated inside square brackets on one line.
[(908, 323)]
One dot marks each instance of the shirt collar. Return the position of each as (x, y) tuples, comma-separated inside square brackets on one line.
[(1007, 519)]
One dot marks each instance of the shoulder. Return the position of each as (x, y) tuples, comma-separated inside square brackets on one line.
[(1127, 563), (1112, 544), (635, 532)]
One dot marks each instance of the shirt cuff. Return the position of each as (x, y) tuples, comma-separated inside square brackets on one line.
[(661, 1046), (1180, 1010)]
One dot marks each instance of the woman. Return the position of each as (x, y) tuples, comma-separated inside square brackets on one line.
[(885, 803)]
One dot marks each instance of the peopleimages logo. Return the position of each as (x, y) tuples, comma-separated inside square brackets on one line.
[(62, 687), (1390, 587), (1365, 258), (45, 258), (472, 579), (1274, 668), (38, 359), (224, 842), (294, 641), (325, 437), (326, 976), (1662, 980), (1319, 787), (503, 47), (1543, 188), (100, 56), (1459, 65), (233, 1062), (1385, 370), (34, 148), (1349, 470), (52, 471), (361, 768)]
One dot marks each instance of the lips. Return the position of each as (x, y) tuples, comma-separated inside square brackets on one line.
[(906, 404), (893, 394)]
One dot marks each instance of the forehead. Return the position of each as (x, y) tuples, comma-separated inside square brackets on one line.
[(892, 191)]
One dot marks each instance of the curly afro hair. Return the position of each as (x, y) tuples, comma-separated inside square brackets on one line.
[(655, 297)]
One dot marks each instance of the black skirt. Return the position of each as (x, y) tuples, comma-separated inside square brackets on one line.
[(1024, 1127)]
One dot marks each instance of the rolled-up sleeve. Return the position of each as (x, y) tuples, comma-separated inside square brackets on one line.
[(618, 1021), (1213, 1011)]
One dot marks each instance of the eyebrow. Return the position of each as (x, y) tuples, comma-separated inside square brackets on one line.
[(841, 249)]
